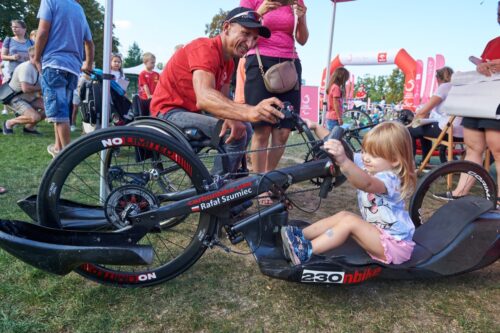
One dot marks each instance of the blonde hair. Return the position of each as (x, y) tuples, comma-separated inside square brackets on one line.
[(339, 77), (392, 142), (148, 56)]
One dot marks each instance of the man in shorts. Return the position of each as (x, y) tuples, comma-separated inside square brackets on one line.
[(28, 106), (194, 86), (63, 34)]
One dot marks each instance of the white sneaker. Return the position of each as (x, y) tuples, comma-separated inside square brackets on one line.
[(72, 128), (5, 112)]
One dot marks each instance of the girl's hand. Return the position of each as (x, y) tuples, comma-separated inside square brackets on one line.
[(336, 149), (268, 6), (299, 10)]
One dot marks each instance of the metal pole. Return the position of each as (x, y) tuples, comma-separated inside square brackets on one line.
[(327, 75), (106, 83)]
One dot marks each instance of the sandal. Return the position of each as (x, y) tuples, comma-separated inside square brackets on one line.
[(265, 199), (3, 190)]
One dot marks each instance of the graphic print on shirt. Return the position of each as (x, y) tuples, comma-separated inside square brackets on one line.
[(376, 210)]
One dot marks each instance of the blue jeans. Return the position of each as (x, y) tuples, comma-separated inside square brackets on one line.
[(207, 124), (57, 87), (331, 123)]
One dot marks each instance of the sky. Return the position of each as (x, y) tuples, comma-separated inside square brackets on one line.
[(456, 29)]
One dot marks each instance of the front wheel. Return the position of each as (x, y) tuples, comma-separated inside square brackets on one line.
[(434, 190), (138, 164)]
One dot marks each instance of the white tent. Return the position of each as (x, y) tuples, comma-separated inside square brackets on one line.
[(136, 70)]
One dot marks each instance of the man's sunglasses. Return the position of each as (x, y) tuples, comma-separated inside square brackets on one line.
[(251, 15)]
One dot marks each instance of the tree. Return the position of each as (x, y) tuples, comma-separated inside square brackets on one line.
[(395, 87), (27, 10), (9, 10), (215, 27), (134, 56)]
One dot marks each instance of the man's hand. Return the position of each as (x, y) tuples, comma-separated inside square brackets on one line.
[(336, 149), (237, 128), (38, 65), (86, 67), (266, 111)]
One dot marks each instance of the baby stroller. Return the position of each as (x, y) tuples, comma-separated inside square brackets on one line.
[(91, 103)]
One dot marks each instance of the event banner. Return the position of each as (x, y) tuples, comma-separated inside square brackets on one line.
[(418, 82), (440, 62), (429, 79), (309, 103)]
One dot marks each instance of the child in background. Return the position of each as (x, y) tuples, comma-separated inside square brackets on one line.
[(33, 35), (335, 89), (384, 175), (148, 79), (117, 71)]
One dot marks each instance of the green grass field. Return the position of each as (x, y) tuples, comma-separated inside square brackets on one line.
[(224, 292)]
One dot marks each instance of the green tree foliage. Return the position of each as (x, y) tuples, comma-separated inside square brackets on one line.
[(215, 27), (134, 56), (395, 87), (27, 10), (391, 87)]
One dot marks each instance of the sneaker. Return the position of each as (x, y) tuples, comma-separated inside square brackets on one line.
[(31, 131), (72, 128), (5, 112), (52, 151), (6, 130), (447, 196), (295, 246)]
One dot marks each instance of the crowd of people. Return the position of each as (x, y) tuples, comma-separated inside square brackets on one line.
[(194, 90)]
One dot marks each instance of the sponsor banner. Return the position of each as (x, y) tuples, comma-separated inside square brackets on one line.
[(309, 103), (440, 62), (418, 82), (429, 79)]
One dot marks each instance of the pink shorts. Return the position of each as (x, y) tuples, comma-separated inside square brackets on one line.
[(395, 251)]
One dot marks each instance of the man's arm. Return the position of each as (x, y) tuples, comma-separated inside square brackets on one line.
[(89, 56), (213, 101), (41, 41)]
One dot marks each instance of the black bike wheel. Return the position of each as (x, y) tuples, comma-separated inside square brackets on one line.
[(354, 119), (74, 176), (426, 199)]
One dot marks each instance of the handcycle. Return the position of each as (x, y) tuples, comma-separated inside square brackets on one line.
[(156, 222)]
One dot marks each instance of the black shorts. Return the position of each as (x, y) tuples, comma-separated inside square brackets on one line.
[(255, 90), (481, 123)]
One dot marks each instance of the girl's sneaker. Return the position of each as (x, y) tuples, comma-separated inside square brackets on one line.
[(295, 246)]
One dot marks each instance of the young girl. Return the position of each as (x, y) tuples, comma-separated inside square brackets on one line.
[(384, 175), (117, 71), (335, 89)]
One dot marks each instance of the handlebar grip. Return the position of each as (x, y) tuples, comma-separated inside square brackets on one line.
[(336, 133)]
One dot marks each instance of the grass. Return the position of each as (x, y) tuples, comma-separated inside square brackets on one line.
[(224, 292)]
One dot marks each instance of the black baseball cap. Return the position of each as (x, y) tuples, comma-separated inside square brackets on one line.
[(249, 19)]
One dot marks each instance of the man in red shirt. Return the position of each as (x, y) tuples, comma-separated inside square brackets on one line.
[(197, 79)]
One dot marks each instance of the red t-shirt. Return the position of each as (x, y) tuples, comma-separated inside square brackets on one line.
[(149, 79), (334, 96), (492, 50), (176, 81)]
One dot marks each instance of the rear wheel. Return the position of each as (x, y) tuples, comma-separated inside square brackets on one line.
[(143, 170), (431, 190)]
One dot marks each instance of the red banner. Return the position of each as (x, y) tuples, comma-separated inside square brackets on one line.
[(309, 103)]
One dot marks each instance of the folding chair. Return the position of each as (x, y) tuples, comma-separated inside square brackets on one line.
[(449, 143)]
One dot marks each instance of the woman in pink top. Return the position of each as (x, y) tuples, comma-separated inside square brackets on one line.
[(335, 89), (279, 17)]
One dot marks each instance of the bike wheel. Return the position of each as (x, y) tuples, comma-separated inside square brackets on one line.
[(74, 176), (426, 199), (353, 120)]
